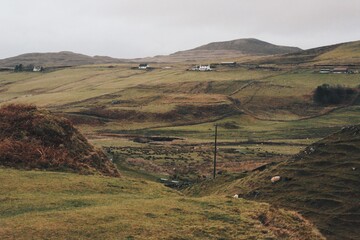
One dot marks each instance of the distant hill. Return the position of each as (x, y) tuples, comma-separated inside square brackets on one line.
[(226, 50), (36, 139), (342, 53), (322, 183), (247, 50), (250, 46), (56, 59)]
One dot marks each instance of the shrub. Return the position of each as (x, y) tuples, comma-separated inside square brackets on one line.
[(332, 95), (31, 138)]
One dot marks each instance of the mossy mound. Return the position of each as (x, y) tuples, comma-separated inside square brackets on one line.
[(36, 139)]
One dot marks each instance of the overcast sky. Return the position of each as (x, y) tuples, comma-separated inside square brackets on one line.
[(140, 28)]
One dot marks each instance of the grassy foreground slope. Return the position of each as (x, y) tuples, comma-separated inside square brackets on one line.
[(48, 205), (321, 182)]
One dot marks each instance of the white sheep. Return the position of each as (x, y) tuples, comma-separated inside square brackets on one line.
[(275, 179)]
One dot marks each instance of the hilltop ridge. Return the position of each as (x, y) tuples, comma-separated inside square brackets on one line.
[(249, 46), (249, 50), (226, 49), (63, 58), (337, 54), (244, 47)]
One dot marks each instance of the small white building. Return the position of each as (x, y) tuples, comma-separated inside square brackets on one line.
[(324, 70), (201, 68), (143, 66), (341, 70), (195, 68), (205, 68), (231, 64), (37, 69)]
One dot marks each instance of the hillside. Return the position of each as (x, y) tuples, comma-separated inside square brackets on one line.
[(47, 205), (113, 106), (346, 53), (36, 139), (233, 49), (56, 59), (216, 50), (247, 48), (337, 54), (321, 182), (160, 124)]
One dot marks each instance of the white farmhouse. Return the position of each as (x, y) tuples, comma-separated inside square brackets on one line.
[(143, 66), (201, 68), (205, 68), (37, 69)]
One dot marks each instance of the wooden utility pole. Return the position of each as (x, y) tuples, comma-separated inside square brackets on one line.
[(215, 152)]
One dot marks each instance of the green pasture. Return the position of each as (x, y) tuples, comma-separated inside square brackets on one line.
[(50, 205)]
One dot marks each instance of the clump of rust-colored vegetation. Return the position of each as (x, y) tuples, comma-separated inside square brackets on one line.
[(35, 139), (333, 95)]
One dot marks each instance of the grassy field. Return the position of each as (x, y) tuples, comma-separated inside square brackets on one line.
[(49, 205), (254, 110), (345, 53), (160, 123)]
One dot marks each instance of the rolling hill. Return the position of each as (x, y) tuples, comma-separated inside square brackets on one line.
[(247, 50), (228, 49), (264, 116), (337, 54), (321, 182), (58, 59), (250, 46), (216, 50)]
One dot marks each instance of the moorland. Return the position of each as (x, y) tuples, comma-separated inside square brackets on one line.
[(159, 124)]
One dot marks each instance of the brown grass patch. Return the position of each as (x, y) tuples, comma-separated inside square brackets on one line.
[(31, 138)]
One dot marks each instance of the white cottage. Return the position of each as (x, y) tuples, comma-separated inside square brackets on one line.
[(202, 68), (143, 66), (37, 69), (205, 68)]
